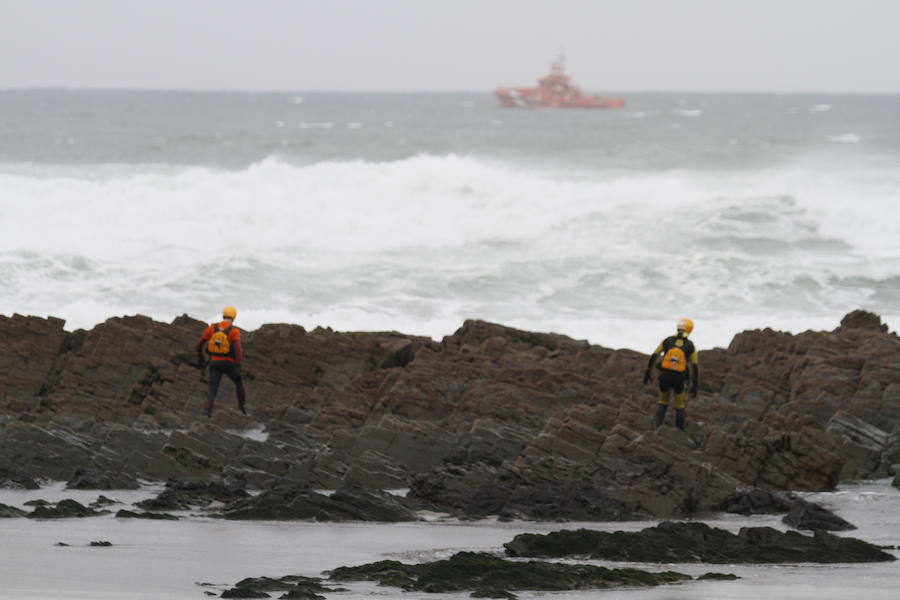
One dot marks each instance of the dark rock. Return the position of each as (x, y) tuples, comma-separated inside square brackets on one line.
[(480, 571), (371, 505), (698, 542), (292, 502), (812, 516), (293, 586), (382, 410), (37, 502), (100, 544), (10, 512), (127, 514), (544, 492), (861, 319), (718, 577), (64, 509), (103, 501), (302, 595), (186, 494), (239, 593), (15, 480), (62, 544), (492, 593), (88, 479), (756, 501)]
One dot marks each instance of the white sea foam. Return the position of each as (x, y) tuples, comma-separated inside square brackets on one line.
[(819, 108), (421, 244), (845, 138)]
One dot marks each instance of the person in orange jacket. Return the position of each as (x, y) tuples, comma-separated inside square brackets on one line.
[(222, 342), (678, 369)]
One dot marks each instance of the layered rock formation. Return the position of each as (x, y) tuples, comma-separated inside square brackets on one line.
[(489, 420), (698, 542)]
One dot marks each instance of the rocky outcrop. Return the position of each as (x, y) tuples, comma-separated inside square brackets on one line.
[(155, 516), (488, 575), (11, 512), (293, 503), (812, 516), (84, 479), (386, 410), (799, 513), (291, 586), (756, 501), (185, 495), (698, 542), (64, 509)]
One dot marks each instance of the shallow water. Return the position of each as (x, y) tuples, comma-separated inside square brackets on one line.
[(152, 559)]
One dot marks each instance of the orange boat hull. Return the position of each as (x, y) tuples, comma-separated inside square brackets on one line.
[(553, 91)]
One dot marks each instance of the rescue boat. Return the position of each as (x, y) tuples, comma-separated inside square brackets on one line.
[(553, 91)]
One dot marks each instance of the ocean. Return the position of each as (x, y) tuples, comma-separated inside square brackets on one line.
[(414, 212)]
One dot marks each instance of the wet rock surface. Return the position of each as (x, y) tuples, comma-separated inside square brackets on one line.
[(290, 586), (491, 420), (491, 577), (296, 503), (64, 509), (799, 513), (185, 495), (11, 512), (754, 501), (128, 514), (812, 516), (698, 542)]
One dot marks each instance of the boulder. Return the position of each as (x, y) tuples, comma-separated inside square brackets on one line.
[(811, 516), (10, 512), (64, 509), (698, 542), (297, 503), (89, 479), (128, 514), (489, 575), (187, 494), (756, 501)]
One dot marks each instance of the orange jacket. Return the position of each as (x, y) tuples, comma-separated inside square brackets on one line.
[(234, 338)]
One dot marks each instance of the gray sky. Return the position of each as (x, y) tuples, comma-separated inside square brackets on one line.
[(401, 45)]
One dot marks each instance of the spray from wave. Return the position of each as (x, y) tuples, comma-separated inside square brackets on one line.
[(421, 244)]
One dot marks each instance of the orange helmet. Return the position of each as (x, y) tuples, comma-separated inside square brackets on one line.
[(685, 325), (229, 312)]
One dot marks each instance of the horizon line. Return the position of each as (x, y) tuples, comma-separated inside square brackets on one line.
[(63, 88)]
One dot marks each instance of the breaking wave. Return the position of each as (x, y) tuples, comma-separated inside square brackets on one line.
[(420, 244)]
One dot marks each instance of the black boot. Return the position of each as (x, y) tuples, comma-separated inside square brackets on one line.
[(679, 418), (660, 415)]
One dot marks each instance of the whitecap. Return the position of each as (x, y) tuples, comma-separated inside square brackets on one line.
[(820, 108), (690, 113), (844, 138)]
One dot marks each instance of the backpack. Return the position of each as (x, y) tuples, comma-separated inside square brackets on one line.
[(219, 344), (676, 353)]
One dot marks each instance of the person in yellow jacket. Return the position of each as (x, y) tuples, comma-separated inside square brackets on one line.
[(678, 369)]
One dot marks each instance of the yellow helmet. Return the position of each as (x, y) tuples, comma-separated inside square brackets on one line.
[(685, 325), (229, 312)]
